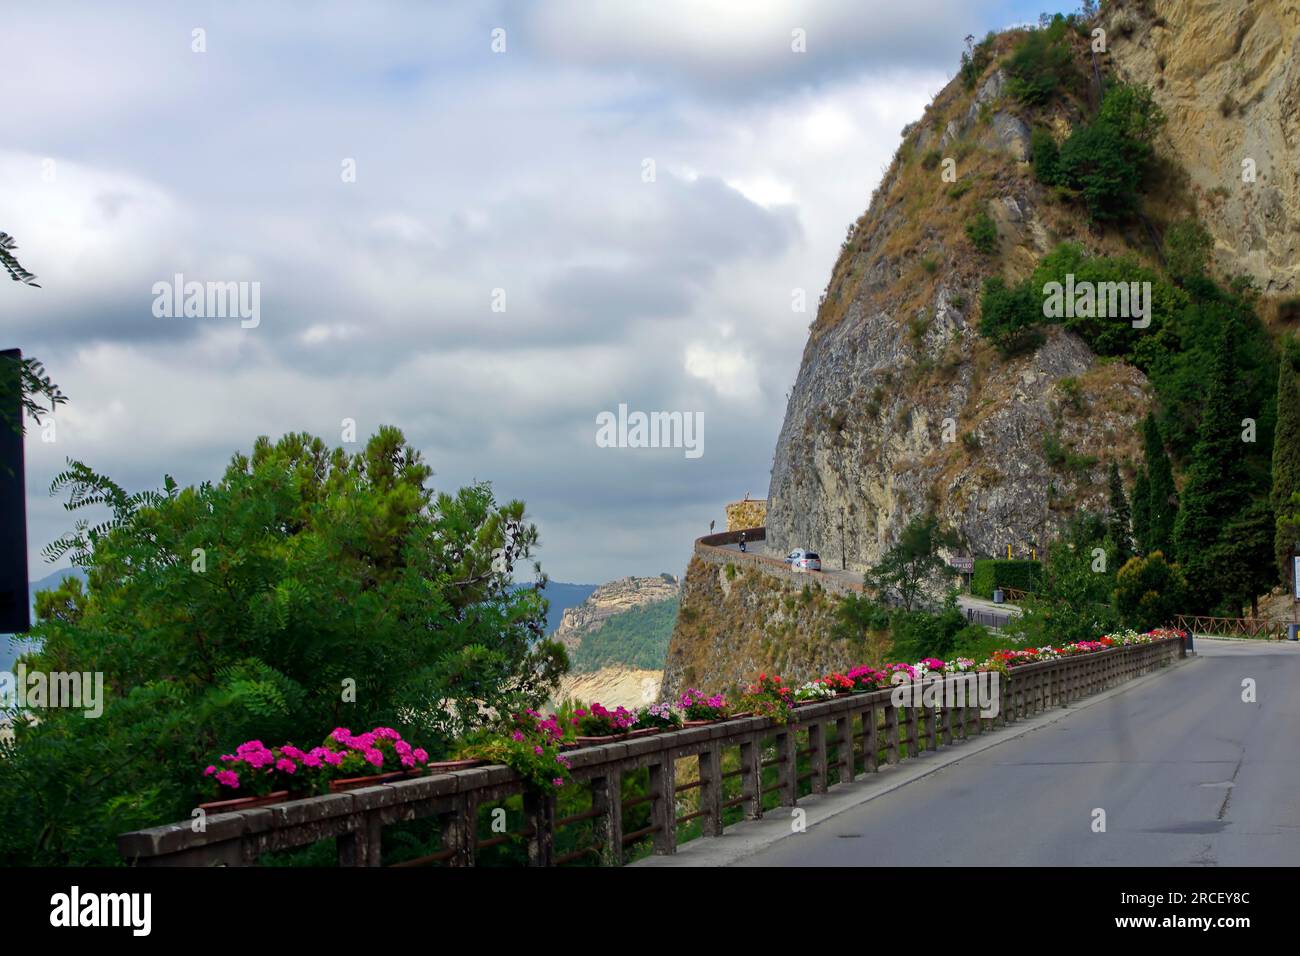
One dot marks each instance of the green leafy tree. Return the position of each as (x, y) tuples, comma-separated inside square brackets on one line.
[(1212, 495), (1149, 592), (1187, 249), (1286, 465), (1010, 316), (1042, 65), (1118, 523), (912, 564), (303, 590), (1073, 602), (38, 395), (1108, 159), (1243, 556), (1162, 494), (1141, 510)]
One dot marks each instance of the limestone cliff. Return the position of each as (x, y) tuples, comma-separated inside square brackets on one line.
[(899, 406), (608, 600)]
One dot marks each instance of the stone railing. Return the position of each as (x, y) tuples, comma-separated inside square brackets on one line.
[(711, 548), (826, 742)]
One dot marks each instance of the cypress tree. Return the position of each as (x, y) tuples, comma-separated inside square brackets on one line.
[(1117, 524), (1215, 491), (1162, 495), (1286, 464), (1142, 512)]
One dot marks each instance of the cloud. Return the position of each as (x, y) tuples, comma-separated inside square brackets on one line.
[(475, 172)]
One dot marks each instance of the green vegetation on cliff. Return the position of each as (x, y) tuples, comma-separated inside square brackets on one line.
[(637, 638)]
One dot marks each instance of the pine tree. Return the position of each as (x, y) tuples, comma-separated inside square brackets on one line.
[(1162, 495), (1117, 524), (1142, 512), (1215, 492), (1286, 464)]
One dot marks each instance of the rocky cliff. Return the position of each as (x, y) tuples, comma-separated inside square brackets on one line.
[(610, 599), (899, 406)]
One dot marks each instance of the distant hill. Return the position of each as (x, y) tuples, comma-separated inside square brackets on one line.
[(636, 638), (562, 597), (11, 647)]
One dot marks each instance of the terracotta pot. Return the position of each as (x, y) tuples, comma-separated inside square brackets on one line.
[(352, 783), (593, 741), (446, 766), (244, 803), (743, 713), (699, 723), (647, 731)]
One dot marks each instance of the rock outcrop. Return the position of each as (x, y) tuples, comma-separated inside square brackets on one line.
[(610, 599)]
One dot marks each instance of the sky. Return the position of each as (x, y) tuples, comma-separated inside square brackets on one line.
[(485, 223)]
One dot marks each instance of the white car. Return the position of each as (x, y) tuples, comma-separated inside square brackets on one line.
[(801, 560)]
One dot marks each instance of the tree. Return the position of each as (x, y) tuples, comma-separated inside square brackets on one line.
[(1162, 495), (1187, 249), (1149, 592), (303, 590), (1243, 556), (1286, 465), (1212, 496), (35, 389), (911, 564), (1141, 511), (1107, 159), (1073, 602), (1118, 520)]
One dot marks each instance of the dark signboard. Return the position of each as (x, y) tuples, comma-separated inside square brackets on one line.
[(15, 612)]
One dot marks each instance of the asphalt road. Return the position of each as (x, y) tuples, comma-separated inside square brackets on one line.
[(1186, 772), (981, 611)]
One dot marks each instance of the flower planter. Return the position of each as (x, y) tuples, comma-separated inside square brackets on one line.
[(701, 723), (352, 783), (593, 741), (648, 731), (446, 766), (244, 803), (743, 713)]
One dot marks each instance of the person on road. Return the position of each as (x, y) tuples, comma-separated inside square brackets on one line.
[(742, 541)]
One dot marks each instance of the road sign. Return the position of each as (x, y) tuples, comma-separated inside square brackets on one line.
[(15, 609), (964, 565)]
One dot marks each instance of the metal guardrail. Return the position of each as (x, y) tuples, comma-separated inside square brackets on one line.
[(863, 730)]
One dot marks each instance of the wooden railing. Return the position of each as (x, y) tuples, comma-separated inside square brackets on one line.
[(1251, 627), (827, 742)]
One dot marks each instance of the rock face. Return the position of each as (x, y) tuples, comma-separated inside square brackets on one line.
[(749, 513), (1227, 74), (612, 686), (610, 599), (900, 408), (736, 622)]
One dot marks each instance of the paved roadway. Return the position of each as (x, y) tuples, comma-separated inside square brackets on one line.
[(987, 613), (1187, 773)]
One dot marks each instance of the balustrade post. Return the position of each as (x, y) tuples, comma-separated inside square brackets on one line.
[(891, 733), (460, 831), (711, 792), (787, 768), (844, 747), (751, 777), (361, 845), (817, 757), (539, 812), (870, 740), (913, 731), (928, 714), (607, 801), (663, 809)]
